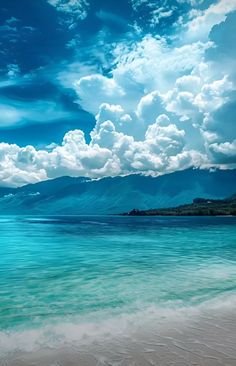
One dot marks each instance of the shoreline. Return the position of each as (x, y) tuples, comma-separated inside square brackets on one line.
[(201, 338)]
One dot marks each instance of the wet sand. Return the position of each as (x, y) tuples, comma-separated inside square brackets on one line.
[(207, 339)]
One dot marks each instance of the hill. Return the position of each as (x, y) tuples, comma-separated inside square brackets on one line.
[(83, 196), (199, 207)]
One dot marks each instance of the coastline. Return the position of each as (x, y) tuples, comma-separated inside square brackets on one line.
[(158, 291), (199, 207), (200, 337)]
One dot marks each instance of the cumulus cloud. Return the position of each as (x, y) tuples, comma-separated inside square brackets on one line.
[(178, 84), (109, 153), (225, 152), (194, 97), (106, 90), (202, 22), (163, 107), (140, 68), (15, 172), (221, 122), (150, 106)]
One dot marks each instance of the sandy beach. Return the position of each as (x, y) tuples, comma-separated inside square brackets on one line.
[(203, 339)]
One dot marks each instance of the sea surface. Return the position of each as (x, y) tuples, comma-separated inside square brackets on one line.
[(69, 279)]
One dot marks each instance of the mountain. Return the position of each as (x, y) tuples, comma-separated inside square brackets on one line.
[(68, 195)]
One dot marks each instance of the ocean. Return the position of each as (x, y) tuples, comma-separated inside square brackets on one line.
[(69, 282)]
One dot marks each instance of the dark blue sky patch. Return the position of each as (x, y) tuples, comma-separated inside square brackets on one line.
[(44, 134), (36, 38)]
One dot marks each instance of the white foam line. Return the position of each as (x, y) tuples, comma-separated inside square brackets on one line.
[(81, 332)]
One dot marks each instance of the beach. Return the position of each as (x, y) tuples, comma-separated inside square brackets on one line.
[(117, 291), (206, 338)]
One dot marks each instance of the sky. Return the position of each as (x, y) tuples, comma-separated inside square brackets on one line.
[(99, 88)]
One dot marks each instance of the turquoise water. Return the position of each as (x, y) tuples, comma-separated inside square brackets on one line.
[(55, 269)]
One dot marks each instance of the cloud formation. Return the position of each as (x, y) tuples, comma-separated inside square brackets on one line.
[(73, 10), (109, 153), (166, 104), (202, 22)]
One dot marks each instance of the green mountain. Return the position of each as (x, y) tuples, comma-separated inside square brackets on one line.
[(199, 207), (68, 195)]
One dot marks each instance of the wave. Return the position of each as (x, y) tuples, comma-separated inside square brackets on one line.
[(84, 331)]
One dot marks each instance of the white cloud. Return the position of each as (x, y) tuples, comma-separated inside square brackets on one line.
[(214, 94), (93, 90), (76, 7), (159, 14), (162, 87), (202, 22), (17, 173), (163, 107), (153, 64), (109, 153), (74, 10), (165, 138), (194, 97), (122, 121), (147, 66), (225, 152), (150, 107)]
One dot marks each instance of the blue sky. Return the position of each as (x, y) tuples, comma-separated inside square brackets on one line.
[(105, 88)]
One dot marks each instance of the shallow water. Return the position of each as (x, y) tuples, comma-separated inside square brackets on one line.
[(66, 279)]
